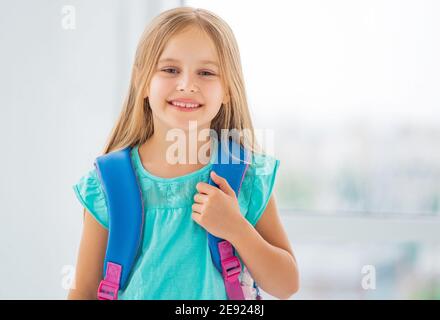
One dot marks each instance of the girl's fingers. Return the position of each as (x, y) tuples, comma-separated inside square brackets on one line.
[(200, 198), (196, 207), (196, 217), (222, 183), (205, 188)]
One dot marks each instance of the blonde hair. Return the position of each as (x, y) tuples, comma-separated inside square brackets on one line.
[(135, 123)]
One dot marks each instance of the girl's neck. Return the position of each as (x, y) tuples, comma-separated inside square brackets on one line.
[(158, 151)]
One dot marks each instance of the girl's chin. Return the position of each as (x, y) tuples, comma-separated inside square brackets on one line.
[(188, 125)]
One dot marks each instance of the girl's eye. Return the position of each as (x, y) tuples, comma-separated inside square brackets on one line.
[(207, 73), (174, 71), (166, 70)]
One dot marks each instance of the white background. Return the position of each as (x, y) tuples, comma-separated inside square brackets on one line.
[(316, 71)]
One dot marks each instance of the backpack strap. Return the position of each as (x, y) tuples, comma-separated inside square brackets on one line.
[(126, 218), (232, 163)]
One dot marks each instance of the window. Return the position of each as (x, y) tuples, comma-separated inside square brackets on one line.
[(350, 90)]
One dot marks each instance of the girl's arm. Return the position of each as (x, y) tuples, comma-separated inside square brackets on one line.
[(266, 252), (90, 261)]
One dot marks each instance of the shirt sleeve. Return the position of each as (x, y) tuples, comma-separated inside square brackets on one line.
[(263, 169), (89, 192)]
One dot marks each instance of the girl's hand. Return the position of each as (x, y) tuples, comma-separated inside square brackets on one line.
[(217, 210)]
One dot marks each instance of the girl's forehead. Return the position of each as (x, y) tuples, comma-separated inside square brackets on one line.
[(191, 45)]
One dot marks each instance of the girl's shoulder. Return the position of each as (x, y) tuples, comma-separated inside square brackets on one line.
[(263, 164), (258, 185), (255, 191), (90, 194)]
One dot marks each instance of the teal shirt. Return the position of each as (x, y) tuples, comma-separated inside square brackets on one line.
[(175, 261)]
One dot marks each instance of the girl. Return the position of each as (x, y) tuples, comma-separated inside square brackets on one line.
[(187, 70)]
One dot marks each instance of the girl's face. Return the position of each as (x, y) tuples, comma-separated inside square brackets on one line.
[(188, 70)]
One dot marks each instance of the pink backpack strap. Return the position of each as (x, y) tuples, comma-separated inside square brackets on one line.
[(231, 269), (109, 287)]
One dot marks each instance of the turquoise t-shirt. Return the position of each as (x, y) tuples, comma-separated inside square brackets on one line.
[(175, 261)]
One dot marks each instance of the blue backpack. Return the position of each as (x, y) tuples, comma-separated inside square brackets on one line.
[(126, 221)]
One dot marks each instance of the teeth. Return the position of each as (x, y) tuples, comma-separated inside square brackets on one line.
[(184, 105)]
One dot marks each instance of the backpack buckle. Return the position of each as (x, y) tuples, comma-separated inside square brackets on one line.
[(231, 268), (108, 290), (109, 287)]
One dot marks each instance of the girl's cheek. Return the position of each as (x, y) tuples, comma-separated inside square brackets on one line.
[(212, 91), (161, 86), (162, 81)]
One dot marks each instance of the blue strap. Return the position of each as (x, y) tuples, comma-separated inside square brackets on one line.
[(124, 202), (231, 163), (126, 214)]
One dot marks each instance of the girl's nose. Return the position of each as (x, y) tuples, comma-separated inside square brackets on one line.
[(187, 83)]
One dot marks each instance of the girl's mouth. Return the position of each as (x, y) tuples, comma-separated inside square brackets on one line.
[(184, 107)]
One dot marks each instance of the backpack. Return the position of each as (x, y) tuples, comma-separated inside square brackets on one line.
[(126, 219)]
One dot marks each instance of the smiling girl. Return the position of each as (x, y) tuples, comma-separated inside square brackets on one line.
[(187, 70)]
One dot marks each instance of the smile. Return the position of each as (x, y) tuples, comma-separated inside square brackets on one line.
[(184, 106)]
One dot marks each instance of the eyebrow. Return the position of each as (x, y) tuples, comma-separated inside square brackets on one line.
[(202, 61)]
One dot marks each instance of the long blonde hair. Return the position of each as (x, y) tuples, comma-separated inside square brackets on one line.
[(135, 122)]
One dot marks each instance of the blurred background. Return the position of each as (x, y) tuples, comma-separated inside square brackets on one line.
[(350, 90)]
